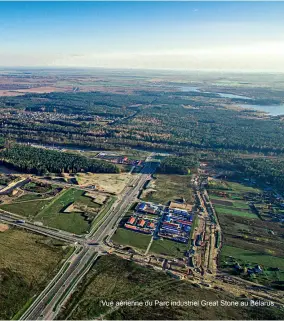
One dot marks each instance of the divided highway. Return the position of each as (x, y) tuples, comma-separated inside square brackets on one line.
[(49, 302)]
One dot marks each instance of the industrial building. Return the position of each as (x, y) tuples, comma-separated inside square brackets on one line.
[(176, 225), (170, 223), (148, 208), (141, 224)]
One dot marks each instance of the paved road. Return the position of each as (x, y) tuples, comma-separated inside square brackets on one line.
[(11, 219), (51, 299)]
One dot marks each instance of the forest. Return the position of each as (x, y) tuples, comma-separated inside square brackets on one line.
[(262, 170), (42, 161), (161, 121), (177, 165)]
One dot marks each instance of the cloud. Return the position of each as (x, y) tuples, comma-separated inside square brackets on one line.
[(262, 56)]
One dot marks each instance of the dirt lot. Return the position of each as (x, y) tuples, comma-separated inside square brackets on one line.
[(3, 227), (111, 183)]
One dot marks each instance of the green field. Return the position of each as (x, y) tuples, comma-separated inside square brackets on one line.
[(29, 197), (170, 187), (228, 210), (28, 209), (115, 279), (27, 263), (231, 187), (53, 215), (249, 259), (246, 238), (130, 238), (235, 203), (252, 257), (169, 248)]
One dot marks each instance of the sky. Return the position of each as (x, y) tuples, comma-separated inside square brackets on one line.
[(151, 35)]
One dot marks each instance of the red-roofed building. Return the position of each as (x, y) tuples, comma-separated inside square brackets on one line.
[(141, 223), (131, 220)]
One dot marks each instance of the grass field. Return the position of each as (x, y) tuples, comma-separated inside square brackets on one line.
[(169, 248), (53, 215), (230, 255), (27, 263), (28, 209), (115, 279), (229, 202), (231, 186), (228, 210), (245, 237), (29, 197), (130, 238), (252, 257), (170, 187)]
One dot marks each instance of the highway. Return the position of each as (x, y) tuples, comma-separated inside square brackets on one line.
[(48, 303), (11, 219)]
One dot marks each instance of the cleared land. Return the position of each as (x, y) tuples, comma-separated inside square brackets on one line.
[(27, 262), (170, 187), (111, 183), (53, 214), (115, 279), (133, 239)]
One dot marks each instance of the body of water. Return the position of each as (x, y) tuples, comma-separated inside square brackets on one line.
[(273, 110), (189, 88), (232, 96)]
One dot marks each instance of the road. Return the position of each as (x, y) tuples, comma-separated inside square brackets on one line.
[(10, 218), (49, 302)]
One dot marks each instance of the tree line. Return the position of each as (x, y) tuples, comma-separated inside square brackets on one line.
[(177, 165), (42, 161)]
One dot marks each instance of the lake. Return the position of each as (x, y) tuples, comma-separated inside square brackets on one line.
[(223, 95), (273, 110)]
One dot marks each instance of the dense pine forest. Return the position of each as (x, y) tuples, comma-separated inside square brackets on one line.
[(177, 165), (41, 161)]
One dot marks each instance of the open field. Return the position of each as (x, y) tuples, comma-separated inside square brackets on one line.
[(168, 248), (26, 208), (111, 183), (231, 187), (272, 267), (229, 202), (247, 239), (29, 197), (115, 279), (227, 210), (130, 238), (170, 187), (27, 262), (253, 257), (53, 214)]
